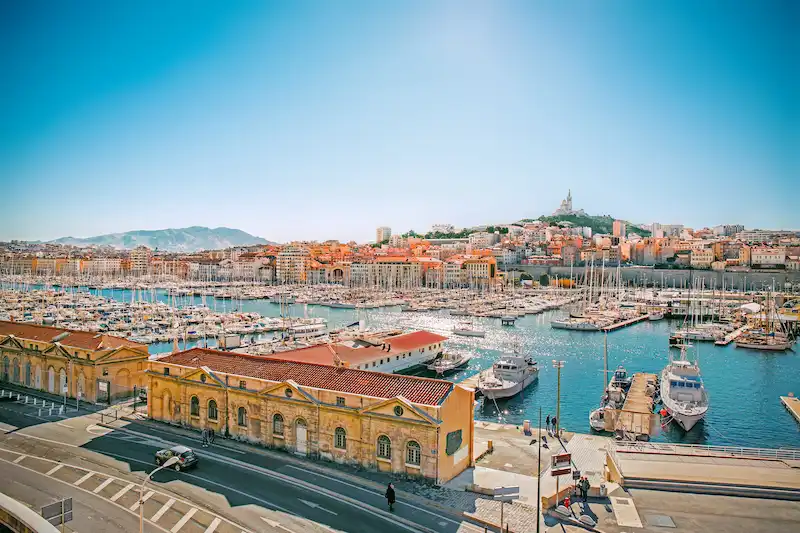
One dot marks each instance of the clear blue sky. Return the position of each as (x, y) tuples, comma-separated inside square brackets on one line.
[(315, 120)]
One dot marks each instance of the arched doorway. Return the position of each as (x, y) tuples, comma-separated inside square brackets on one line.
[(28, 374), (122, 384), (301, 437), (51, 380), (6, 366), (15, 371)]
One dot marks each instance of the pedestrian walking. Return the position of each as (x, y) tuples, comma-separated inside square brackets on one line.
[(204, 434), (584, 483), (211, 435), (547, 423), (390, 497), (555, 427)]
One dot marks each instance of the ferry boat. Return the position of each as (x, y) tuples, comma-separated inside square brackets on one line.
[(508, 376), (682, 392)]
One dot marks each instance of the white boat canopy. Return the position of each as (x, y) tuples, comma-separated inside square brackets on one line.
[(750, 308)]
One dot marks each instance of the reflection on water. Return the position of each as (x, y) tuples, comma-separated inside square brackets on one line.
[(744, 385)]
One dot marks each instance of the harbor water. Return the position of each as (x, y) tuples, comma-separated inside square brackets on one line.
[(744, 385)]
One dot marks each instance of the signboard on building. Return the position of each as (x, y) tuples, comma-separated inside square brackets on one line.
[(561, 464)]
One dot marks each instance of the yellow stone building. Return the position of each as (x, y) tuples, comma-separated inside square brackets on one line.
[(102, 368), (401, 424)]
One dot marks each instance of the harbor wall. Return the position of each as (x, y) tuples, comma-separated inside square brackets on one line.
[(668, 277)]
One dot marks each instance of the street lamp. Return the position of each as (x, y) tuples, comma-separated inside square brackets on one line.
[(558, 365), (169, 462)]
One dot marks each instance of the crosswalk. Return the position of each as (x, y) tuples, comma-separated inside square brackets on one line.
[(163, 510)]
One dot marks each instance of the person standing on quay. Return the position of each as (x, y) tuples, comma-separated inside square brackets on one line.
[(547, 423), (390, 496)]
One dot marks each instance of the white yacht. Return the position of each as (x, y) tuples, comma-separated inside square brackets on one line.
[(466, 330), (448, 362), (682, 391), (658, 315), (508, 376), (578, 324)]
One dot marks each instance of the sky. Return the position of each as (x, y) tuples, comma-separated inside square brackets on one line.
[(302, 120)]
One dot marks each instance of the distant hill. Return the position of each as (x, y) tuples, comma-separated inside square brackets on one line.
[(599, 224), (172, 240)]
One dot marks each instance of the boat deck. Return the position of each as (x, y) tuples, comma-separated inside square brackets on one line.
[(792, 403), (471, 382), (730, 337)]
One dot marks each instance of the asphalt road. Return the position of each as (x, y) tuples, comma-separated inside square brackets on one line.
[(243, 490)]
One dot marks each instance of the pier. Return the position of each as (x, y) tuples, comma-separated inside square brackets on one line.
[(624, 323), (792, 403), (730, 337), (471, 382), (636, 416)]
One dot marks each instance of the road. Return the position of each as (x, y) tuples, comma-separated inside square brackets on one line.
[(230, 491)]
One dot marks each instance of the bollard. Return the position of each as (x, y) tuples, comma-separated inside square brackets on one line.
[(26, 400), (61, 410), (51, 412), (40, 413)]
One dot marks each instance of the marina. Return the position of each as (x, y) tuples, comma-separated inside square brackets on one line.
[(738, 379), (792, 404)]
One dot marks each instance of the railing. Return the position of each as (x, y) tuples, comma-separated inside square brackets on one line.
[(786, 454)]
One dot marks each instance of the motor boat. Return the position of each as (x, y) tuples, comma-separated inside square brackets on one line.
[(682, 392), (447, 363), (508, 376)]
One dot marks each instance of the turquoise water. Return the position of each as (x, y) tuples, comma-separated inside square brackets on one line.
[(744, 385)]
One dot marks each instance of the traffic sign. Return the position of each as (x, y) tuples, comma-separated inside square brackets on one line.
[(576, 474)]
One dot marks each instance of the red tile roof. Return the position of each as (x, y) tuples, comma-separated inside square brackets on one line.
[(86, 340), (376, 384)]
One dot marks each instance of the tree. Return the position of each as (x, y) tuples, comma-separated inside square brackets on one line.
[(544, 280)]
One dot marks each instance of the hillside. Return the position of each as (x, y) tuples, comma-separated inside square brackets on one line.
[(599, 224), (172, 240)]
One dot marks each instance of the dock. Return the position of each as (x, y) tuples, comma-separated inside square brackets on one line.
[(471, 382), (624, 323), (636, 416), (731, 336), (792, 403)]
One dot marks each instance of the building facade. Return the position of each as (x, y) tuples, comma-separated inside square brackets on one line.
[(391, 423), (383, 233), (95, 367), (291, 264), (140, 260)]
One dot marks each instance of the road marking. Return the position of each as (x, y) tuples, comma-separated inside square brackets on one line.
[(122, 491), (94, 429), (103, 485), (373, 492), (213, 525), (54, 469), (84, 478), (63, 425), (275, 524), (317, 506), (164, 509), (18, 459), (46, 440), (177, 527), (144, 499)]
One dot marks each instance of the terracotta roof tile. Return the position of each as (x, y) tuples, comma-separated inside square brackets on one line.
[(86, 340), (416, 390)]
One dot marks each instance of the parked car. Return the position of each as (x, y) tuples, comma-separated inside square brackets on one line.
[(186, 457)]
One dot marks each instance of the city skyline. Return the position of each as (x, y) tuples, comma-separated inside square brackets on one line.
[(312, 122)]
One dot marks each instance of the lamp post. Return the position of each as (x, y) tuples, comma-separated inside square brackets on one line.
[(169, 462), (558, 365)]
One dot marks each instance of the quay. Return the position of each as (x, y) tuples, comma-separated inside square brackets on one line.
[(636, 416), (731, 336), (625, 323), (792, 403)]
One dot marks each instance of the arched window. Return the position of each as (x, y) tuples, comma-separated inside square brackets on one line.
[(413, 453), (194, 406), (213, 414), (340, 439), (241, 417), (6, 366), (277, 424), (15, 370), (28, 374), (384, 447)]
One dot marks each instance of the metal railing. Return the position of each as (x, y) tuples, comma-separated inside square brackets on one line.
[(783, 454)]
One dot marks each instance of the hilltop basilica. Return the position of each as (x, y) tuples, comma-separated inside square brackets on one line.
[(566, 207)]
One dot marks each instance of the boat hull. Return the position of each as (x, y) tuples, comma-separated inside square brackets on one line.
[(469, 333), (777, 347), (508, 392)]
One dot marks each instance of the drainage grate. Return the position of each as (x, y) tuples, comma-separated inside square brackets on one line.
[(659, 520)]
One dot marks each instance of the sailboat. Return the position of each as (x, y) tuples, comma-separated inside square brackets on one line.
[(613, 394), (682, 391)]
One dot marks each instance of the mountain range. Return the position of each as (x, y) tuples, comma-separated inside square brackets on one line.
[(189, 239)]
